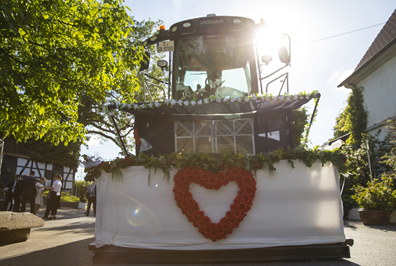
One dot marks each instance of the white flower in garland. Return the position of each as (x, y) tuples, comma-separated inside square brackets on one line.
[(246, 99), (281, 98), (307, 97), (193, 103), (206, 100), (199, 102), (150, 105), (173, 102), (288, 99), (167, 101), (254, 97), (136, 106), (219, 99), (238, 99), (129, 106), (295, 97), (180, 102), (186, 103), (157, 104), (226, 99)]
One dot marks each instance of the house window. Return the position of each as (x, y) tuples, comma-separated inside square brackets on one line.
[(213, 136)]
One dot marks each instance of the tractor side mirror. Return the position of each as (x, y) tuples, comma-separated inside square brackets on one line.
[(284, 55), (144, 64)]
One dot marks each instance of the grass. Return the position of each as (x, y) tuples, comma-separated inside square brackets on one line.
[(65, 197)]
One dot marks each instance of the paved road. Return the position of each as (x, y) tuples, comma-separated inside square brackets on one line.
[(65, 242)]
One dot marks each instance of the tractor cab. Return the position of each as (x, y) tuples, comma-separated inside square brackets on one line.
[(215, 100)]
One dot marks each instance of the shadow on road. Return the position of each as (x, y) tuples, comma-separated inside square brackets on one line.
[(350, 224), (384, 228), (72, 254)]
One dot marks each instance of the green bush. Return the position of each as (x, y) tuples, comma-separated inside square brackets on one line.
[(378, 195), (81, 187), (65, 197)]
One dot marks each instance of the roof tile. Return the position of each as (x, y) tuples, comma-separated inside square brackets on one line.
[(386, 35)]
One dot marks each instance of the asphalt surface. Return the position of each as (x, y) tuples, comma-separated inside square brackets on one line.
[(65, 242)]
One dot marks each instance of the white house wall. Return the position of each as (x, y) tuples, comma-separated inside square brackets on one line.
[(380, 93)]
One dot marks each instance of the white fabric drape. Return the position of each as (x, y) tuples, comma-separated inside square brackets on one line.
[(297, 206)]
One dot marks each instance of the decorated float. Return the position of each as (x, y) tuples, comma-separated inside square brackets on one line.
[(216, 176)]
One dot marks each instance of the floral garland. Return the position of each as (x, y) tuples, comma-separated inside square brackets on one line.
[(218, 99), (252, 163), (238, 209)]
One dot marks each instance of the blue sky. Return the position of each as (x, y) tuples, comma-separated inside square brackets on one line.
[(319, 65)]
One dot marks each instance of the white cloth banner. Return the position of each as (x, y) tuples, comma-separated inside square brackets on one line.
[(299, 206)]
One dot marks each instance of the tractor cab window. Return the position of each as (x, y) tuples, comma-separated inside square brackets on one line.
[(213, 65)]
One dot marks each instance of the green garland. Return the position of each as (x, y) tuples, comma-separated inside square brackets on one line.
[(215, 163)]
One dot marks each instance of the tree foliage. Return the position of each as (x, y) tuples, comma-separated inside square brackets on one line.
[(54, 55), (358, 165), (300, 119), (390, 156), (353, 119), (92, 113)]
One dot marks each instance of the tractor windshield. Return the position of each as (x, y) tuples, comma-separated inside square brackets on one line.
[(213, 65)]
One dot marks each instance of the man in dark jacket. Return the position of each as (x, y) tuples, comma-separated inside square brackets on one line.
[(29, 192), (91, 195), (10, 192), (17, 195)]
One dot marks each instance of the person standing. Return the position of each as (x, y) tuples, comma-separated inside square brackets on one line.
[(39, 194), (17, 195), (54, 198), (91, 195), (28, 192), (9, 195)]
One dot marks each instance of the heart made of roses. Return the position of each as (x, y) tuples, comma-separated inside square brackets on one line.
[(238, 209)]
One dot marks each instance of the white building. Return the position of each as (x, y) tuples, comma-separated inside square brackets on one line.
[(376, 74), (17, 161)]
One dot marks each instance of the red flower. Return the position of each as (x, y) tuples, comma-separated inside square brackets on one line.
[(182, 179), (188, 172), (212, 181), (248, 191), (203, 178), (221, 177), (233, 172), (127, 160)]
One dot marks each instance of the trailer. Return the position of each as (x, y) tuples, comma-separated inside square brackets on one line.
[(216, 100)]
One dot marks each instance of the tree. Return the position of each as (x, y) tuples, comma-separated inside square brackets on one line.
[(92, 113), (353, 119), (54, 55)]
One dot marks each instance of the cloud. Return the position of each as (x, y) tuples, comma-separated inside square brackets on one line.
[(94, 141), (338, 78)]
